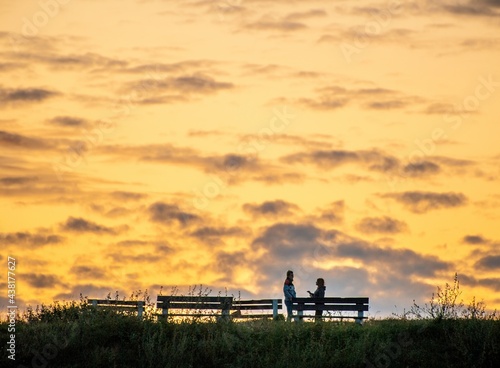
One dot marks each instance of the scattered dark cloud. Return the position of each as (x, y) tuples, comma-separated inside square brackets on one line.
[(490, 263), (194, 84), (132, 243), (383, 225), (233, 162), (128, 196), (143, 258), (474, 240), (490, 283), (348, 38), (88, 61), (375, 98), (406, 261), (88, 272), (266, 70), (452, 162), (373, 160), (386, 105), (279, 178), (205, 133), (422, 168), (233, 167), (89, 290), (7, 67), (18, 180), (158, 71), (181, 88), (226, 264), (276, 25), (14, 140), (312, 13), (289, 240), (324, 103), (304, 141), (118, 212), (473, 8), (29, 239), (333, 213), (68, 122), (421, 202), (166, 213), (40, 281), (276, 208), (218, 232), (24, 95), (81, 225), (440, 108)]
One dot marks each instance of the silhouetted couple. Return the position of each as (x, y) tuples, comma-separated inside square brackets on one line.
[(289, 292)]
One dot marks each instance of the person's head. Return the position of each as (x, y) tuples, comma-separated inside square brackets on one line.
[(320, 282), (289, 275)]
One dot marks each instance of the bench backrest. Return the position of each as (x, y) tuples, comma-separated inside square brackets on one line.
[(337, 304), (261, 304), (121, 305), (353, 304), (167, 303)]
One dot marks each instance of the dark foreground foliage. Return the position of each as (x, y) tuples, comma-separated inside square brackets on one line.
[(76, 336)]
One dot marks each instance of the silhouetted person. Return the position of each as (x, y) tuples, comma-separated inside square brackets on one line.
[(289, 291), (318, 293)]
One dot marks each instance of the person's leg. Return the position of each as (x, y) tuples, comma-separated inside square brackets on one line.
[(288, 310), (317, 315)]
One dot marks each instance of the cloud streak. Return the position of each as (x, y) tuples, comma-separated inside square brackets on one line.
[(29, 239), (80, 225), (422, 202), (382, 225), (25, 95)]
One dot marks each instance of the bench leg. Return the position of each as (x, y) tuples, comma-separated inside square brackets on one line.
[(140, 308), (359, 320), (300, 316)]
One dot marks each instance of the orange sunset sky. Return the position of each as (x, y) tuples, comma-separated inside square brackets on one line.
[(149, 143)]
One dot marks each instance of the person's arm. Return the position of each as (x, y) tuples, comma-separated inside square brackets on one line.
[(321, 293), (287, 292)]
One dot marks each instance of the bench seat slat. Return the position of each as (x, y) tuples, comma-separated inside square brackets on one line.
[(195, 299), (197, 306), (360, 300), (113, 302), (193, 315), (118, 308), (336, 307), (252, 316), (253, 307), (261, 301)]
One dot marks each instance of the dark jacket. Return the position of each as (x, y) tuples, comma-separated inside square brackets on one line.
[(319, 293), (288, 290)]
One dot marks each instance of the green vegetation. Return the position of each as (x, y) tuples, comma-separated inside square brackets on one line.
[(75, 335)]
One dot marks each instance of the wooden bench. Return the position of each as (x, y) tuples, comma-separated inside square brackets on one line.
[(333, 304), (195, 306), (119, 305), (216, 306), (256, 305)]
